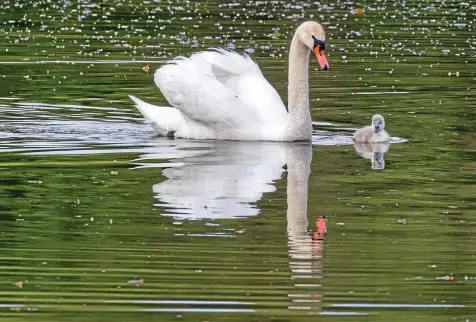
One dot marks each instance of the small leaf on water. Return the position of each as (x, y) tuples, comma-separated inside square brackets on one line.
[(357, 11)]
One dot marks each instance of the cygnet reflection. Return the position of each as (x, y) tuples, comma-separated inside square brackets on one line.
[(374, 152)]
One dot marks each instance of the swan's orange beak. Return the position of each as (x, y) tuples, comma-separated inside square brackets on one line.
[(321, 58)]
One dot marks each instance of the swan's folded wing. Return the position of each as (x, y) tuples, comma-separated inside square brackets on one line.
[(220, 89)]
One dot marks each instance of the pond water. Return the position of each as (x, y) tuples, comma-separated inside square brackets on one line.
[(102, 220)]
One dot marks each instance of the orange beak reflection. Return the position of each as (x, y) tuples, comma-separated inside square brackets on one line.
[(321, 58)]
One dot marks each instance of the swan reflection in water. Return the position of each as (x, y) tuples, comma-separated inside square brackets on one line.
[(224, 180), (374, 152)]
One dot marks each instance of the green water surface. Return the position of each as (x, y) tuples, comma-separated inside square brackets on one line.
[(92, 202)]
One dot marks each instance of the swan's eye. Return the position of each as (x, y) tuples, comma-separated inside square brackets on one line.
[(320, 43)]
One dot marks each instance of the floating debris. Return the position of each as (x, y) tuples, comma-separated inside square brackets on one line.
[(402, 221), (136, 282), (146, 68), (340, 224), (445, 278), (357, 11), (19, 284)]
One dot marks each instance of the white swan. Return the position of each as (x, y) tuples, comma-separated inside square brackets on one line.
[(222, 95), (374, 133)]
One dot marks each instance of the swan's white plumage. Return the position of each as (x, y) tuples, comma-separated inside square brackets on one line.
[(224, 91), (153, 114), (223, 95)]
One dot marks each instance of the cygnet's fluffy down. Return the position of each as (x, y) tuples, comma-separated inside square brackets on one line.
[(374, 133)]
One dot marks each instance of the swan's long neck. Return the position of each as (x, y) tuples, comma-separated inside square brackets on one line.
[(300, 123)]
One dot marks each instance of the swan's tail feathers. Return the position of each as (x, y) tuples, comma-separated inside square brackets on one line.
[(164, 119), (146, 109)]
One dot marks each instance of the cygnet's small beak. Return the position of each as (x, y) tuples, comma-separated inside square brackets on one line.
[(376, 128), (321, 58)]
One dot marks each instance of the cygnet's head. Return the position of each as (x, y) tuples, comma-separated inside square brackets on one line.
[(313, 36), (378, 123)]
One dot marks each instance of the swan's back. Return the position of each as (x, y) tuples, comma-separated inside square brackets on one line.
[(225, 91)]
